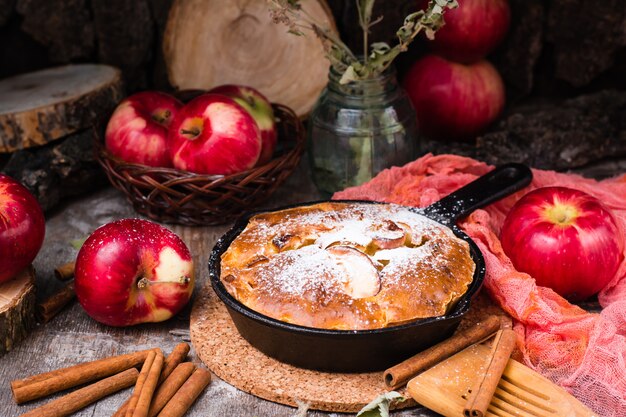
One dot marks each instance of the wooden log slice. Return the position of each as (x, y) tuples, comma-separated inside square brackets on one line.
[(17, 308), (39, 107), (213, 42)]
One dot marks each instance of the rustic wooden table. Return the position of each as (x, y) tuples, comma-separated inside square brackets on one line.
[(72, 336)]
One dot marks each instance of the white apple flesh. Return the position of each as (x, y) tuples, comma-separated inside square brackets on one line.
[(388, 236), (362, 279)]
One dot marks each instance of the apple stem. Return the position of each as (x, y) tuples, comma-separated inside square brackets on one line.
[(161, 119), (191, 133), (145, 282)]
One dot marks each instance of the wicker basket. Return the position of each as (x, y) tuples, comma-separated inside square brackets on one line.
[(171, 196)]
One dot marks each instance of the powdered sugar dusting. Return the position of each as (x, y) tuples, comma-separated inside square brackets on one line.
[(298, 272)]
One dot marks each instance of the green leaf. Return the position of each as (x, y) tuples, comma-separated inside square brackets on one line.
[(365, 8), (295, 4), (379, 48), (380, 406), (78, 243), (349, 75)]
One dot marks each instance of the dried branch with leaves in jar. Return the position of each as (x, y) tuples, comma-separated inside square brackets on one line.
[(376, 57)]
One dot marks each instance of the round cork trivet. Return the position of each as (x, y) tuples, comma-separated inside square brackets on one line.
[(230, 357), (234, 360)]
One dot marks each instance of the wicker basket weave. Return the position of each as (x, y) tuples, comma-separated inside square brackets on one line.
[(172, 196)]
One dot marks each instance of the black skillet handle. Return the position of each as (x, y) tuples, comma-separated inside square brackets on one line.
[(496, 184)]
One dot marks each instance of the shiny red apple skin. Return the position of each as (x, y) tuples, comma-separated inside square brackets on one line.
[(138, 128), (471, 31), (564, 238), (454, 101), (22, 227), (260, 109), (133, 271), (214, 135)]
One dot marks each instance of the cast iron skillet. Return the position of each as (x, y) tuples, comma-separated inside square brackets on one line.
[(369, 350)]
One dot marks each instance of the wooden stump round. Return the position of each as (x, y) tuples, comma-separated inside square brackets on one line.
[(17, 308), (39, 107), (213, 42)]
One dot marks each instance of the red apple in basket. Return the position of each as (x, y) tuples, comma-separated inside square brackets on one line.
[(472, 30), (137, 130), (260, 109), (133, 271), (454, 101), (22, 227), (212, 134), (564, 238)]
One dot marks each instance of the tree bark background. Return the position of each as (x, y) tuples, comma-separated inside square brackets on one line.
[(554, 48), (556, 51)]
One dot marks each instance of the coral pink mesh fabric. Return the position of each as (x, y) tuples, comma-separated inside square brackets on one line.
[(583, 352)]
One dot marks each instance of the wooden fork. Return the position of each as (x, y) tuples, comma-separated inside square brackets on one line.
[(521, 392)]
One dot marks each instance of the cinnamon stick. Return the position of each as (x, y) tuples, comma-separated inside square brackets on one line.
[(178, 354), (169, 387), (143, 375), (149, 387), (81, 398), (184, 398), (65, 272), (484, 388), (51, 306), (400, 374), (41, 385)]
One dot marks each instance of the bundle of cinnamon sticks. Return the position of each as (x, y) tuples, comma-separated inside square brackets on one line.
[(165, 387)]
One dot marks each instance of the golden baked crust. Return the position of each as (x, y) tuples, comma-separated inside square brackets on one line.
[(348, 266)]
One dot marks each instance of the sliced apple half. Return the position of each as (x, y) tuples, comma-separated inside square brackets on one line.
[(351, 233), (388, 235), (361, 277)]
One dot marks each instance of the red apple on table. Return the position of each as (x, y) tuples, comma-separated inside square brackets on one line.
[(137, 130), (472, 30), (454, 101), (213, 134), (22, 227), (133, 271), (260, 109), (564, 238)]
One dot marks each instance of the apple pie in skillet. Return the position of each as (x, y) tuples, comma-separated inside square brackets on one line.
[(347, 266)]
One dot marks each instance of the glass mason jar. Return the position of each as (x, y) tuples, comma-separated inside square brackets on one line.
[(358, 129)]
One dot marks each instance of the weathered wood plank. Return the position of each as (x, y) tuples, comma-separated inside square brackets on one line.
[(42, 106)]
